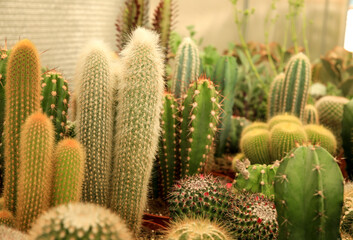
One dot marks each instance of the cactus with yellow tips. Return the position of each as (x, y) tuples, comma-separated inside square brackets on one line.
[(256, 146), (69, 162), (283, 118), (36, 169), (274, 96), (319, 135), (254, 125), (22, 94), (311, 115)]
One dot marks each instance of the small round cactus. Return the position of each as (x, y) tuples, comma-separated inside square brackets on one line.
[(320, 135), (255, 145), (79, 221), (254, 125), (283, 118)]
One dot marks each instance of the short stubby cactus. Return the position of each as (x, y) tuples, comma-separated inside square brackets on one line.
[(79, 221), (238, 124), (194, 229), (12, 234), (319, 135), (55, 101), (200, 195), (187, 67), (283, 118), (253, 216), (256, 146), (274, 96), (311, 115), (309, 194), (254, 125)]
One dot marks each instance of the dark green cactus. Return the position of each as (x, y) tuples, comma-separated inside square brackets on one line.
[(274, 96), (319, 135), (311, 115), (238, 124), (347, 137), (309, 194), (255, 145)]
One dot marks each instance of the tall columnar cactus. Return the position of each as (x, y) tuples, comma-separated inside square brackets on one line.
[(256, 146), (283, 118), (311, 115), (79, 221), (55, 101), (225, 78), (69, 162), (22, 94), (319, 135), (95, 120), (238, 124), (187, 67), (347, 137), (36, 169), (198, 125), (309, 195), (274, 96), (254, 125), (296, 83), (330, 109), (138, 113)]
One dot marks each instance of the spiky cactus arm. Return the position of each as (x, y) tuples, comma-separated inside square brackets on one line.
[(199, 123), (308, 195), (274, 96), (95, 120), (311, 115), (22, 94), (36, 169), (187, 67), (138, 114)]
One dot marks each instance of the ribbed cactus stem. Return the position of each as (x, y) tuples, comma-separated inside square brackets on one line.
[(138, 114), (311, 115), (22, 93), (274, 96), (36, 169)]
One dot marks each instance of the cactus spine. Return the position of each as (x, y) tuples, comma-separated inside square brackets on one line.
[(311, 115), (69, 172), (95, 120), (308, 195), (22, 94), (138, 113), (296, 85), (187, 68), (36, 169), (319, 135), (274, 96)]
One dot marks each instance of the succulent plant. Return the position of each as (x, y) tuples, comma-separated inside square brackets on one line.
[(274, 96), (311, 115), (347, 216), (11, 234), (255, 145), (347, 137), (238, 124), (254, 125), (319, 135), (283, 118)]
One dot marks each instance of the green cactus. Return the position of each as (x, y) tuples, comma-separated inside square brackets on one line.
[(194, 229), (274, 96), (69, 172), (199, 119), (10, 233), (6, 218), (225, 79), (22, 90), (238, 124), (253, 216), (347, 137), (137, 133), (36, 169), (295, 89), (202, 196), (284, 137), (311, 115), (319, 135), (55, 101), (255, 178), (309, 194), (94, 88), (254, 125), (255, 145), (79, 221), (239, 157), (330, 110), (187, 67), (283, 118)]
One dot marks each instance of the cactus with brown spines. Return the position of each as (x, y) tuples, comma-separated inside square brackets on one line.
[(254, 125), (319, 135), (6, 218), (94, 89), (283, 118), (311, 115), (255, 145), (36, 169), (22, 94), (274, 96), (69, 162), (137, 133), (11, 234)]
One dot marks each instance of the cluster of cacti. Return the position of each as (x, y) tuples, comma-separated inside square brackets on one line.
[(311, 115), (308, 194), (55, 101), (200, 195), (79, 221), (253, 216), (274, 96), (237, 126), (347, 136)]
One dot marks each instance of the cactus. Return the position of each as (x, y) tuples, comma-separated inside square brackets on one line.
[(274, 96), (311, 115), (95, 120), (283, 118), (240, 157), (296, 85), (254, 125), (187, 67), (284, 137), (198, 125), (225, 78), (238, 124), (256, 146), (36, 169), (200, 195), (255, 178), (69, 172), (347, 137), (330, 109), (22, 90), (193, 229), (79, 221), (6, 218), (253, 217), (309, 194), (55, 99), (137, 133), (11, 234), (319, 135)]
